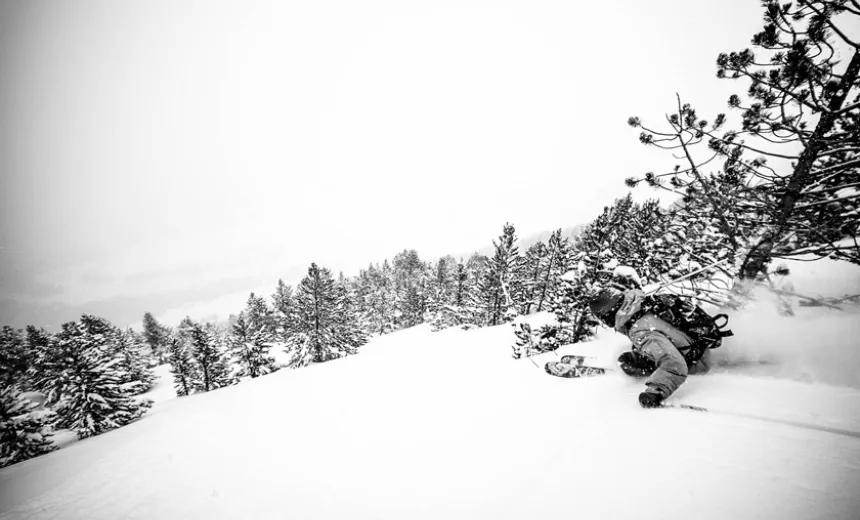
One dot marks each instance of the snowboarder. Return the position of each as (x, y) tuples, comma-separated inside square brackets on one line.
[(656, 343)]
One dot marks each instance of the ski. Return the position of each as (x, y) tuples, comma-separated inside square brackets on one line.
[(572, 367), (571, 359)]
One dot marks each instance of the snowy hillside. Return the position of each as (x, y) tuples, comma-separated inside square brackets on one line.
[(446, 424)]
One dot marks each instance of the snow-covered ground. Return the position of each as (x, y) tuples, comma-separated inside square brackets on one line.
[(448, 425)]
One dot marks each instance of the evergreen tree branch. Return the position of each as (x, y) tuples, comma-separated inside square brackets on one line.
[(835, 29)]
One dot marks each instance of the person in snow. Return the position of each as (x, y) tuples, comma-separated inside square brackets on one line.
[(655, 352), (784, 287)]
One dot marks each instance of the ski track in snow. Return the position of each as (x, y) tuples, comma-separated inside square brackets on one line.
[(447, 425)]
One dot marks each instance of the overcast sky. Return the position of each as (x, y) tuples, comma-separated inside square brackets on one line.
[(162, 155)]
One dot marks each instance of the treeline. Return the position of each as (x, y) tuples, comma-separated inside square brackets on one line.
[(314, 323)]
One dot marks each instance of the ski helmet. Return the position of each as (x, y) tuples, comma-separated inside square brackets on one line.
[(606, 304)]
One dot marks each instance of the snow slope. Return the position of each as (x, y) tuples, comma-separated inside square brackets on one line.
[(448, 425)]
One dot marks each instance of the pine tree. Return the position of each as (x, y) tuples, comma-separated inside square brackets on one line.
[(531, 273), (347, 325), (157, 336), (322, 332), (791, 167), (259, 315), (500, 286), (93, 397), (364, 291), (376, 293), (250, 348), (468, 299), (570, 306), (284, 307), (15, 358), (212, 366), (442, 283), (531, 342), (556, 263), (410, 281), (653, 251), (24, 432), (135, 362), (47, 363), (459, 310), (183, 368)]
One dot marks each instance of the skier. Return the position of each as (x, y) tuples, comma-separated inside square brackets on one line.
[(656, 343)]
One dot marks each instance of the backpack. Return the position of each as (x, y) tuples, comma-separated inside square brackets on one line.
[(705, 331)]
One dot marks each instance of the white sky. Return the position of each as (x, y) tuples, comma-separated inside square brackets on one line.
[(157, 154)]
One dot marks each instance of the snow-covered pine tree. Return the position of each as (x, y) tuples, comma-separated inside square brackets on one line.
[(321, 334), (47, 362), (440, 288), (377, 299), (212, 365), (25, 432), (15, 358), (500, 287), (157, 336), (649, 251), (410, 279), (135, 362), (347, 323), (684, 243), (363, 295), (259, 315), (530, 341), (557, 262), (93, 398), (446, 307), (250, 349), (182, 366), (531, 273), (284, 308), (467, 301)]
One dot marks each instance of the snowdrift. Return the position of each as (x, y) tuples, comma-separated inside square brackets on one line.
[(448, 425)]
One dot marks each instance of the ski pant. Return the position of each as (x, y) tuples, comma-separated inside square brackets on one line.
[(671, 366)]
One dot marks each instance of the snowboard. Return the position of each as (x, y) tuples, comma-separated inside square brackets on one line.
[(572, 367)]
